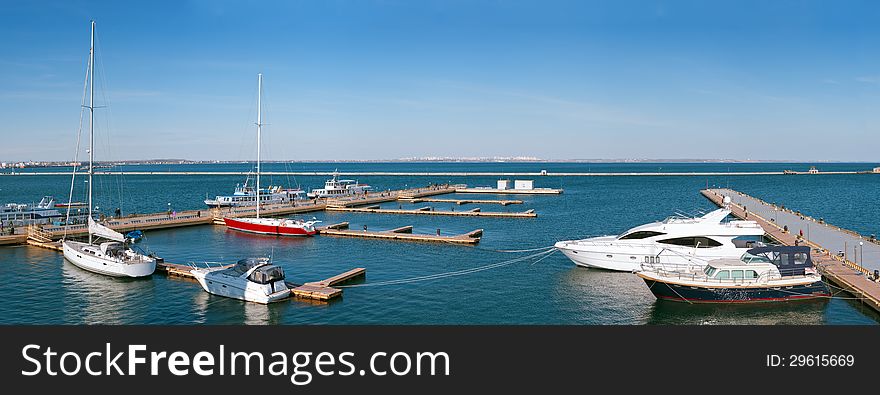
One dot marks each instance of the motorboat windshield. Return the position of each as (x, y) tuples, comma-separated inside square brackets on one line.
[(267, 274), (243, 265)]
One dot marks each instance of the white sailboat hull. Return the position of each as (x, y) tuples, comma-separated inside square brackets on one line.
[(89, 257)]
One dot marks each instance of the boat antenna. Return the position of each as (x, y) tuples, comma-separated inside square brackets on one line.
[(91, 121), (259, 132)]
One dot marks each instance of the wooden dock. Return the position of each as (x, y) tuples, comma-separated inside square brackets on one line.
[(323, 290), (461, 201), (535, 191), (372, 198), (843, 273), (403, 234), (320, 290), (476, 212), (13, 239)]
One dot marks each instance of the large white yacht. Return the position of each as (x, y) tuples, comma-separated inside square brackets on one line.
[(250, 279), (682, 241)]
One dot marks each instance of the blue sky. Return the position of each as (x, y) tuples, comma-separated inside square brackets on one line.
[(389, 79)]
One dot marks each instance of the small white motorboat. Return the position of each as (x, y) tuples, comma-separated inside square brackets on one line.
[(251, 279)]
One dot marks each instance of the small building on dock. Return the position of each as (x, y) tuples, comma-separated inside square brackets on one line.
[(523, 184)]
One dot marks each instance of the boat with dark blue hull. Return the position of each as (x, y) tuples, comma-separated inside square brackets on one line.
[(763, 274)]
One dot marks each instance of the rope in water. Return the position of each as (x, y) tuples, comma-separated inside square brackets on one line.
[(539, 256)]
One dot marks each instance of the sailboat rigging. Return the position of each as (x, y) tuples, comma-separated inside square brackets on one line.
[(268, 226), (115, 257)]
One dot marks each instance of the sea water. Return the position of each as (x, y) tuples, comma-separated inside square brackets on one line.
[(39, 287)]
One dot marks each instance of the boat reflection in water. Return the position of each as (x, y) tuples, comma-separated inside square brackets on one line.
[(101, 299), (806, 312)]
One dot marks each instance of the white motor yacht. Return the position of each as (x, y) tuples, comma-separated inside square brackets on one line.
[(250, 279), (686, 241)]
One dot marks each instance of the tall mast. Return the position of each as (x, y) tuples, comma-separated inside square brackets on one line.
[(91, 119), (259, 132)]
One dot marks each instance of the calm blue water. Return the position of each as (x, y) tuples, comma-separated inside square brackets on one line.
[(39, 287)]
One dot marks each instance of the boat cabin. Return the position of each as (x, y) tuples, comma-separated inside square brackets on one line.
[(769, 262), (261, 271)]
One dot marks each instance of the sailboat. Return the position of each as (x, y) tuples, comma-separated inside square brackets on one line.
[(268, 226), (113, 257)]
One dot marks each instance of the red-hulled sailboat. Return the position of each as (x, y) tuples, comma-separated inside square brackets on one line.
[(268, 226)]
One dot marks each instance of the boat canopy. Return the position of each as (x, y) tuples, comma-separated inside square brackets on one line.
[(791, 260), (243, 265), (267, 274)]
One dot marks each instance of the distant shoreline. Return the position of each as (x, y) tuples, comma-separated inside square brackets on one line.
[(443, 174), (50, 164)]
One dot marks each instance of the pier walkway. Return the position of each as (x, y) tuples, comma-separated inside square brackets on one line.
[(830, 237), (845, 273)]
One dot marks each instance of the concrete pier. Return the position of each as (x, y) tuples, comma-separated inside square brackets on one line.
[(842, 271)]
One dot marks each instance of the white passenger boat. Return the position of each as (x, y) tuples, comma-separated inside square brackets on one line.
[(251, 279), (687, 241), (114, 257), (44, 212), (335, 188), (246, 195)]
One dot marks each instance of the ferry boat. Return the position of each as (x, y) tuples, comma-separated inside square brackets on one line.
[(762, 274), (334, 188), (44, 212), (250, 279), (679, 240), (246, 195)]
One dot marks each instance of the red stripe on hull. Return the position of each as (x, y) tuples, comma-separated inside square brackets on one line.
[(266, 229)]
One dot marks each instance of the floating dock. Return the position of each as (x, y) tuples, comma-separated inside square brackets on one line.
[(13, 239), (319, 290), (403, 233), (389, 196), (534, 191), (476, 212), (461, 201), (835, 267), (324, 289)]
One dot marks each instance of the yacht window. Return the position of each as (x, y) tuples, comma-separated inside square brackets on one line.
[(643, 234), (723, 275), (800, 258), (737, 274), (751, 274), (700, 242), (710, 271), (749, 258)]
